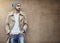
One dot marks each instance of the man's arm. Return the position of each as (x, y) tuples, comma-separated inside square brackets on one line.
[(7, 25), (25, 27)]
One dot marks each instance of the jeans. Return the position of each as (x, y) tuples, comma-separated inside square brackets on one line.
[(17, 38)]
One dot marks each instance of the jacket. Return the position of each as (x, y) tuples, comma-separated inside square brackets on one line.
[(10, 21)]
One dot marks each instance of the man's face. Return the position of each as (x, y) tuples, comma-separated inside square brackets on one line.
[(18, 6)]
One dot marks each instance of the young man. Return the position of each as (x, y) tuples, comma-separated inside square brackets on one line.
[(16, 24)]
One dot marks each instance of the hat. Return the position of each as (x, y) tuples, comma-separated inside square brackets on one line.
[(15, 3)]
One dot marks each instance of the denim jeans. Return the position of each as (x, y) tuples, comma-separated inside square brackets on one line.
[(17, 38)]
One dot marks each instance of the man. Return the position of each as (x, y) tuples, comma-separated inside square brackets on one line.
[(16, 24)]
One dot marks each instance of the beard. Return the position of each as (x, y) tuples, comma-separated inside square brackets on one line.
[(18, 9)]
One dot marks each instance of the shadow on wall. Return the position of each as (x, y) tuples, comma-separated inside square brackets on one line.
[(43, 20)]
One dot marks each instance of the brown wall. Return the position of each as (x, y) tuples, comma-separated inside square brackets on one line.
[(43, 20)]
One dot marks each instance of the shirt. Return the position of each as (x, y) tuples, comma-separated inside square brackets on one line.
[(16, 28)]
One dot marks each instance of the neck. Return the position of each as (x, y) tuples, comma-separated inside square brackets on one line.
[(15, 11)]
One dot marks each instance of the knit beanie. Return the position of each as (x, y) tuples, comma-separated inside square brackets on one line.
[(15, 3)]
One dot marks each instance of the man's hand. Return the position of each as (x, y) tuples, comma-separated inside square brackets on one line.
[(21, 32), (10, 33)]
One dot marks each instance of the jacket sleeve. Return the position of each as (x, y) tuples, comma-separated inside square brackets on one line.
[(7, 25), (25, 24)]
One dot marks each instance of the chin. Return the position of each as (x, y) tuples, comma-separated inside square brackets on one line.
[(18, 9)]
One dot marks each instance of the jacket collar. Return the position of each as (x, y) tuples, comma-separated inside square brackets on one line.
[(12, 13)]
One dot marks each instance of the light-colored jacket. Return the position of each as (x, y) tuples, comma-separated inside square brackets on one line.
[(10, 21)]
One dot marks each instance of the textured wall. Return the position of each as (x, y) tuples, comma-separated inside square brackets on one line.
[(43, 20)]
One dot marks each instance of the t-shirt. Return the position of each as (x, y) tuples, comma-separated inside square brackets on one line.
[(16, 28)]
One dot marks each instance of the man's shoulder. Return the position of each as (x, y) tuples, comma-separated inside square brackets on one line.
[(10, 13), (21, 13)]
